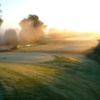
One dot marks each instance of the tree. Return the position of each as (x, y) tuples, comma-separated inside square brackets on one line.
[(95, 54), (35, 20), (1, 21), (32, 21), (10, 38), (31, 29), (0, 15), (33, 17)]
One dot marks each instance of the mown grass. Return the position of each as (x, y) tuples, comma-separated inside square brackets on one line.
[(75, 80), (27, 82), (66, 59)]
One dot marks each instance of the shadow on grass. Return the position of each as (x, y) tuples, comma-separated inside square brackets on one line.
[(2, 92), (77, 81)]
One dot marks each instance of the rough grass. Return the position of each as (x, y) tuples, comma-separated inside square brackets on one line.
[(66, 59), (71, 81)]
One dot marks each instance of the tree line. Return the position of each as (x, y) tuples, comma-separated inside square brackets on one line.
[(32, 30)]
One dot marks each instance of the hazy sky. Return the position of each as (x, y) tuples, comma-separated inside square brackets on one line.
[(75, 15)]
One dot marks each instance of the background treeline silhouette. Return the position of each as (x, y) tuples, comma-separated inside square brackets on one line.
[(32, 30), (95, 54)]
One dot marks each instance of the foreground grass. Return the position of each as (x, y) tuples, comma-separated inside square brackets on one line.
[(73, 81)]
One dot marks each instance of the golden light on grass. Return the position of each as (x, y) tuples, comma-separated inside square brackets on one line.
[(67, 59), (21, 73)]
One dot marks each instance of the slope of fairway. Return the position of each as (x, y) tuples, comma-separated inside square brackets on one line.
[(68, 79)]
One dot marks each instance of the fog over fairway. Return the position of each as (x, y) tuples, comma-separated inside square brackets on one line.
[(33, 30), (68, 41), (25, 57)]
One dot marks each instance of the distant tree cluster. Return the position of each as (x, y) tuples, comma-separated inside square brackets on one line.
[(31, 29)]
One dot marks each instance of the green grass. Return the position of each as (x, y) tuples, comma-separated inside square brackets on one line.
[(62, 59), (73, 81)]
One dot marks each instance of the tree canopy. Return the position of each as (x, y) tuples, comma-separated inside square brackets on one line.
[(32, 29), (33, 21)]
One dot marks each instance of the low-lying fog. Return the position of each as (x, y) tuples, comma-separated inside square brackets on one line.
[(71, 42), (32, 30)]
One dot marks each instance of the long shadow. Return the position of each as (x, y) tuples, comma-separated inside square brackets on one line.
[(78, 82), (2, 92)]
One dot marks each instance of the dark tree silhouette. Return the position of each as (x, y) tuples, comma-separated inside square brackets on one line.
[(95, 54), (35, 20), (33, 17), (1, 21)]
